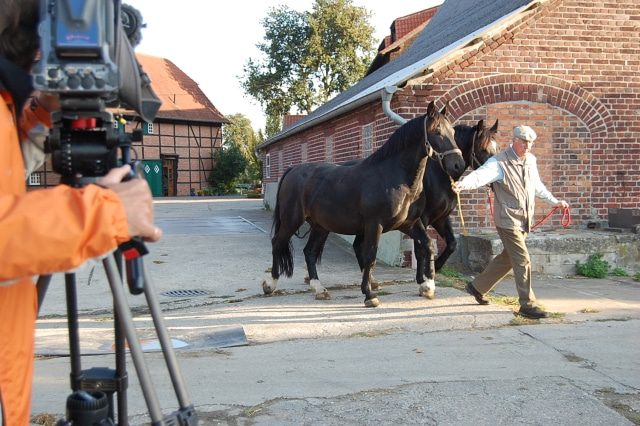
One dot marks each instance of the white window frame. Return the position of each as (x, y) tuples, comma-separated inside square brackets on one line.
[(304, 152), (267, 166), (35, 179), (367, 140), (150, 128), (328, 149)]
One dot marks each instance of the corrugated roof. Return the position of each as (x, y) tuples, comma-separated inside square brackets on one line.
[(456, 23), (181, 97)]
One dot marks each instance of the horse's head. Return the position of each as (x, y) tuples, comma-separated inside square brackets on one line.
[(440, 136), (484, 145)]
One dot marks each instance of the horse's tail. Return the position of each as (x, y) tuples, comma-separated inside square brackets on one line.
[(282, 252), (275, 226)]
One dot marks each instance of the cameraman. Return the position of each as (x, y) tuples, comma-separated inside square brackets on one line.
[(49, 230)]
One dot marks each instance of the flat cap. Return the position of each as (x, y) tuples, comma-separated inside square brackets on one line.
[(525, 133)]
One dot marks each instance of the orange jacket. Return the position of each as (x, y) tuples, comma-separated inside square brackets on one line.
[(43, 231)]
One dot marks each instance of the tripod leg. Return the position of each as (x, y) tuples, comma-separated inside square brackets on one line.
[(121, 358), (165, 342), (74, 335), (126, 322)]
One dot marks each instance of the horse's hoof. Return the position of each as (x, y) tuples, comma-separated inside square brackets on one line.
[(428, 293), (266, 288), (323, 296), (372, 303)]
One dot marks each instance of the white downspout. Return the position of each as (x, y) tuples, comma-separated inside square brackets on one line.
[(386, 94)]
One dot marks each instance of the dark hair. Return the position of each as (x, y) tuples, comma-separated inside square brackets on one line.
[(19, 40)]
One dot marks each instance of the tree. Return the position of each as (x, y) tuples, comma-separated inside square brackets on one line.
[(229, 164), (239, 132), (308, 57)]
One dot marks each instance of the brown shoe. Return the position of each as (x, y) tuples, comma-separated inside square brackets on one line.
[(533, 312), (475, 293)]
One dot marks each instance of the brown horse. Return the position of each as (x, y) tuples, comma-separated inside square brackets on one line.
[(366, 198)]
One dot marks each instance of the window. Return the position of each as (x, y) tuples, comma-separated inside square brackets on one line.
[(267, 166), (367, 140), (116, 124), (35, 179), (328, 146), (147, 128), (303, 153)]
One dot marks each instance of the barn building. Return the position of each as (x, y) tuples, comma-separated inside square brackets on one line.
[(177, 146), (568, 68)]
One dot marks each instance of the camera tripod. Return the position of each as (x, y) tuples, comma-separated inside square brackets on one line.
[(93, 390)]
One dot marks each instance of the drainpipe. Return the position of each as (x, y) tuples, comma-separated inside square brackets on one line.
[(387, 94)]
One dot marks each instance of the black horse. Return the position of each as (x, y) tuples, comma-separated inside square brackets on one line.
[(365, 198), (478, 145), (437, 201)]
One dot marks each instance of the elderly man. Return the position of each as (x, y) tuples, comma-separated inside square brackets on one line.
[(514, 176)]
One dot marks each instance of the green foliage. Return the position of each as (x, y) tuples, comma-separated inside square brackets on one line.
[(594, 267), (619, 272), (308, 57), (239, 132), (636, 276), (229, 164)]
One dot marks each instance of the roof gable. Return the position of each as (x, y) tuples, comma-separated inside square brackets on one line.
[(182, 99)]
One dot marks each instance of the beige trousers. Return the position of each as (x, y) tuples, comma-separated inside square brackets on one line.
[(514, 256)]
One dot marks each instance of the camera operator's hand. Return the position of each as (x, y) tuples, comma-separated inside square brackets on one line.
[(138, 203)]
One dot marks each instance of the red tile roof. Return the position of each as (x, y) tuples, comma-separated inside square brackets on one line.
[(181, 97)]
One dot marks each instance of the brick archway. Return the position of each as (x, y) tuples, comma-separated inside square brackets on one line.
[(532, 88)]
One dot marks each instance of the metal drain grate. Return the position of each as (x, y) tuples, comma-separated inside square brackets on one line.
[(185, 293)]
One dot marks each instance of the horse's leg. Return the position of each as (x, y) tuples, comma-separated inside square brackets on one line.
[(357, 249), (312, 255), (445, 230), (424, 257), (369, 252)]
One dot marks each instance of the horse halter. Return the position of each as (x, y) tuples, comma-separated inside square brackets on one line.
[(474, 158), (435, 154)]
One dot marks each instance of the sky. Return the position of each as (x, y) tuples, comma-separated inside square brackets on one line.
[(211, 41)]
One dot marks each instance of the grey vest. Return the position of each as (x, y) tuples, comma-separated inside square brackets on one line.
[(515, 194)]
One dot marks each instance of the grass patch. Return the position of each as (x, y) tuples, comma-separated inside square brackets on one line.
[(520, 320), (44, 419), (498, 299), (636, 276), (589, 311), (557, 315), (448, 271)]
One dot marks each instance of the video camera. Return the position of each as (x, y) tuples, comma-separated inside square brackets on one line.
[(86, 57)]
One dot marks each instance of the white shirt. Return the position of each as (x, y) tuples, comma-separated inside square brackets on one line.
[(491, 172)]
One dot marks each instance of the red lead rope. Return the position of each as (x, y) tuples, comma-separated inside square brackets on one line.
[(566, 214)]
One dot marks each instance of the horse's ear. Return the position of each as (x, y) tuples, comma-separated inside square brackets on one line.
[(443, 111), (431, 109), (480, 125), (495, 126)]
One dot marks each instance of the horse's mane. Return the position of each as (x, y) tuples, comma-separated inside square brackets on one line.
[(409, 133), (464, 137)]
